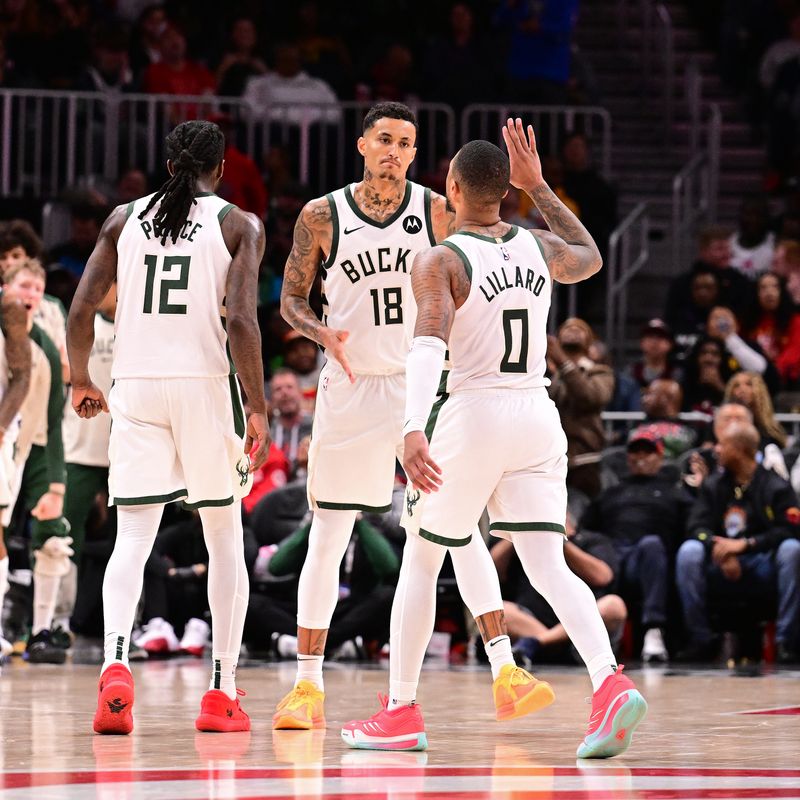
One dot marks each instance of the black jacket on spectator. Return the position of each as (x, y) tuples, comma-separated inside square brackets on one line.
[(765, 510), (639, 506), (735, 291)]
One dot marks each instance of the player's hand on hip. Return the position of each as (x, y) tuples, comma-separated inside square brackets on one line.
[(422, 470), (87, 400), (333, 342), (257, 434), (526, 167)]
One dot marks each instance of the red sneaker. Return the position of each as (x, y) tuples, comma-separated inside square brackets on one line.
[(115, 701), (617, 708), (221, 714), (402, 729)]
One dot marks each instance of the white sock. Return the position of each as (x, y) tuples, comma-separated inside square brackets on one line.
[(45, 594), (413, 616), (498, 651), (223, 674), (309, 668), (542, 557), (115, 650), (122, 586), (228, 590), (3, 585), (600, 675)]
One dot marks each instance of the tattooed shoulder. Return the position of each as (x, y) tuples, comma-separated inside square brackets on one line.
[(318, 212), (444, 220)]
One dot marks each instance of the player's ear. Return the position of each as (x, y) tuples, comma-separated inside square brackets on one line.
[(220, 171), (361, 144)]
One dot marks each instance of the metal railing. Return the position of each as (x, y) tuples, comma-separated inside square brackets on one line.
[(628, 252), (550, 123), (664, 46)]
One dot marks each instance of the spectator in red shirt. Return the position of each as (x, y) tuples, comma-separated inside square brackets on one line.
[(175, 73), (242, 183)]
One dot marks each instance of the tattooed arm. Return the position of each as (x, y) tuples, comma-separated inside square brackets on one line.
[(18, 358), (440, 285), (444, 221), (313, 227), (570, 252)]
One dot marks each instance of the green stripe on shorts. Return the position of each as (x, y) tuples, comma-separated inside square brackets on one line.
[(528, 526), (354, 507), (238, 411), (432, 537), (150, 499)]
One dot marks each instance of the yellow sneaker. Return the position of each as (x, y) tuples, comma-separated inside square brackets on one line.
[(301, 710), (517, 693)]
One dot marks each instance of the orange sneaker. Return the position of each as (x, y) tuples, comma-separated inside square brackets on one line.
[(517, 693), (302, 709), (115, 701), (221, 714)]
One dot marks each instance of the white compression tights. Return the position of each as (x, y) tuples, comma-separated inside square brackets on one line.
[(414, 607), (542, 557), (318, 589)]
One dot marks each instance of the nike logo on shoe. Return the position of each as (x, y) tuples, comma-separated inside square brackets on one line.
[(115, 706), (353, 230)]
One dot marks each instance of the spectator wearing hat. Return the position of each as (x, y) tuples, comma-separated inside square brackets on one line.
[(290, 424), (644, 516), (661, 402), (656, 343), (581, 390)]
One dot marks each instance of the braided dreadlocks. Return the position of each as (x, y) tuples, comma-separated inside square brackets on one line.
[(195, 148)]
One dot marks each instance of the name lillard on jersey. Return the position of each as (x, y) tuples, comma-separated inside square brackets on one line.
[(499, 283), (382, 260)]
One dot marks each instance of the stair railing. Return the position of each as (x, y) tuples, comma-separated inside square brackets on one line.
[(628, 253)]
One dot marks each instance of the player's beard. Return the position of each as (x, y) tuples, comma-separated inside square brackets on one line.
[(449, 205)]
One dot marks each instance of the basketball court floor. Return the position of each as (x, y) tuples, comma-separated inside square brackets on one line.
[(707, 735)]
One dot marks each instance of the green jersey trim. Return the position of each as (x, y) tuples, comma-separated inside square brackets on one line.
[(129, 209), (329, 261), (236, 403), (428, 217), (224, 211), (354, 507), (205, 194), (507, 237), (444, 540), (539, 245), (348, 195), (146, 500), (462, 255), (528, 526)]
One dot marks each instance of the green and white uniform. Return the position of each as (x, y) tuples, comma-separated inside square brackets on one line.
[(178, 423), (86, 440), (494, 431), (357, 433)]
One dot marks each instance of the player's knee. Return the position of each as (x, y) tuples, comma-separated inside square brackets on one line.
[(52, 558)]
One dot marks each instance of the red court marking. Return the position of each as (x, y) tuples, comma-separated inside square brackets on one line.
[(787, 710)]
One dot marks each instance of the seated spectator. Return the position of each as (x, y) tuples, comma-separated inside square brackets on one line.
[(131, 185), (661, 402), (289, 94), (146, 45), (656, 344), (274, 473), (391, 78), (108, 72), (706, 372), (532, 625), (753, 244), (581, 390), (689, 319), (241, 182), (741, 354), (86, 219), (740, 547), (290, 424), (780, 53), (644, 516), (774, 324), (734, 290), (305, 359), (749, 389), (241, 61), (786, 264)]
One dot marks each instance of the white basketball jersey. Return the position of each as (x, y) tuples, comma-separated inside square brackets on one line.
[(86, 440), (366, 279), (169, 321), (499, 336)]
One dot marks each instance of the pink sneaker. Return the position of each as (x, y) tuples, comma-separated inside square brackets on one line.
[(617, 708), (402, 729)]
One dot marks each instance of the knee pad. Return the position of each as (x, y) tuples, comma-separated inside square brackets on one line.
[(53, 557)]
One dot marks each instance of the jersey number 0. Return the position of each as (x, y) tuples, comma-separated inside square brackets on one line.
[(167, 284)]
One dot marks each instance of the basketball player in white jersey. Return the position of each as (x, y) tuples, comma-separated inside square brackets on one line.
[(366, 236), (15, 376), (186, 265), (484, 295)]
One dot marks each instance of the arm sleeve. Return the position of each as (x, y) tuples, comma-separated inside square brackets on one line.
[(378, 551), (423, 376), (54, 449), (745, 355), (291, 552)]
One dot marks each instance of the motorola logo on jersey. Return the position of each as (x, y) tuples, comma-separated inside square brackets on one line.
[(412, 224)]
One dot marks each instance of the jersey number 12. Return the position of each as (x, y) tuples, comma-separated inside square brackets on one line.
[(167, 284)]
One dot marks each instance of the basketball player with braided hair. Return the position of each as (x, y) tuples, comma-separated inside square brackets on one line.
[(186, 266)]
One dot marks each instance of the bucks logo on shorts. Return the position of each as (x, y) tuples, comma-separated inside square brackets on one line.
[(412, 498), (243, 470)]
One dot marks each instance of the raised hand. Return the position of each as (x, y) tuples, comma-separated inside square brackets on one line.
[(526, 167)]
